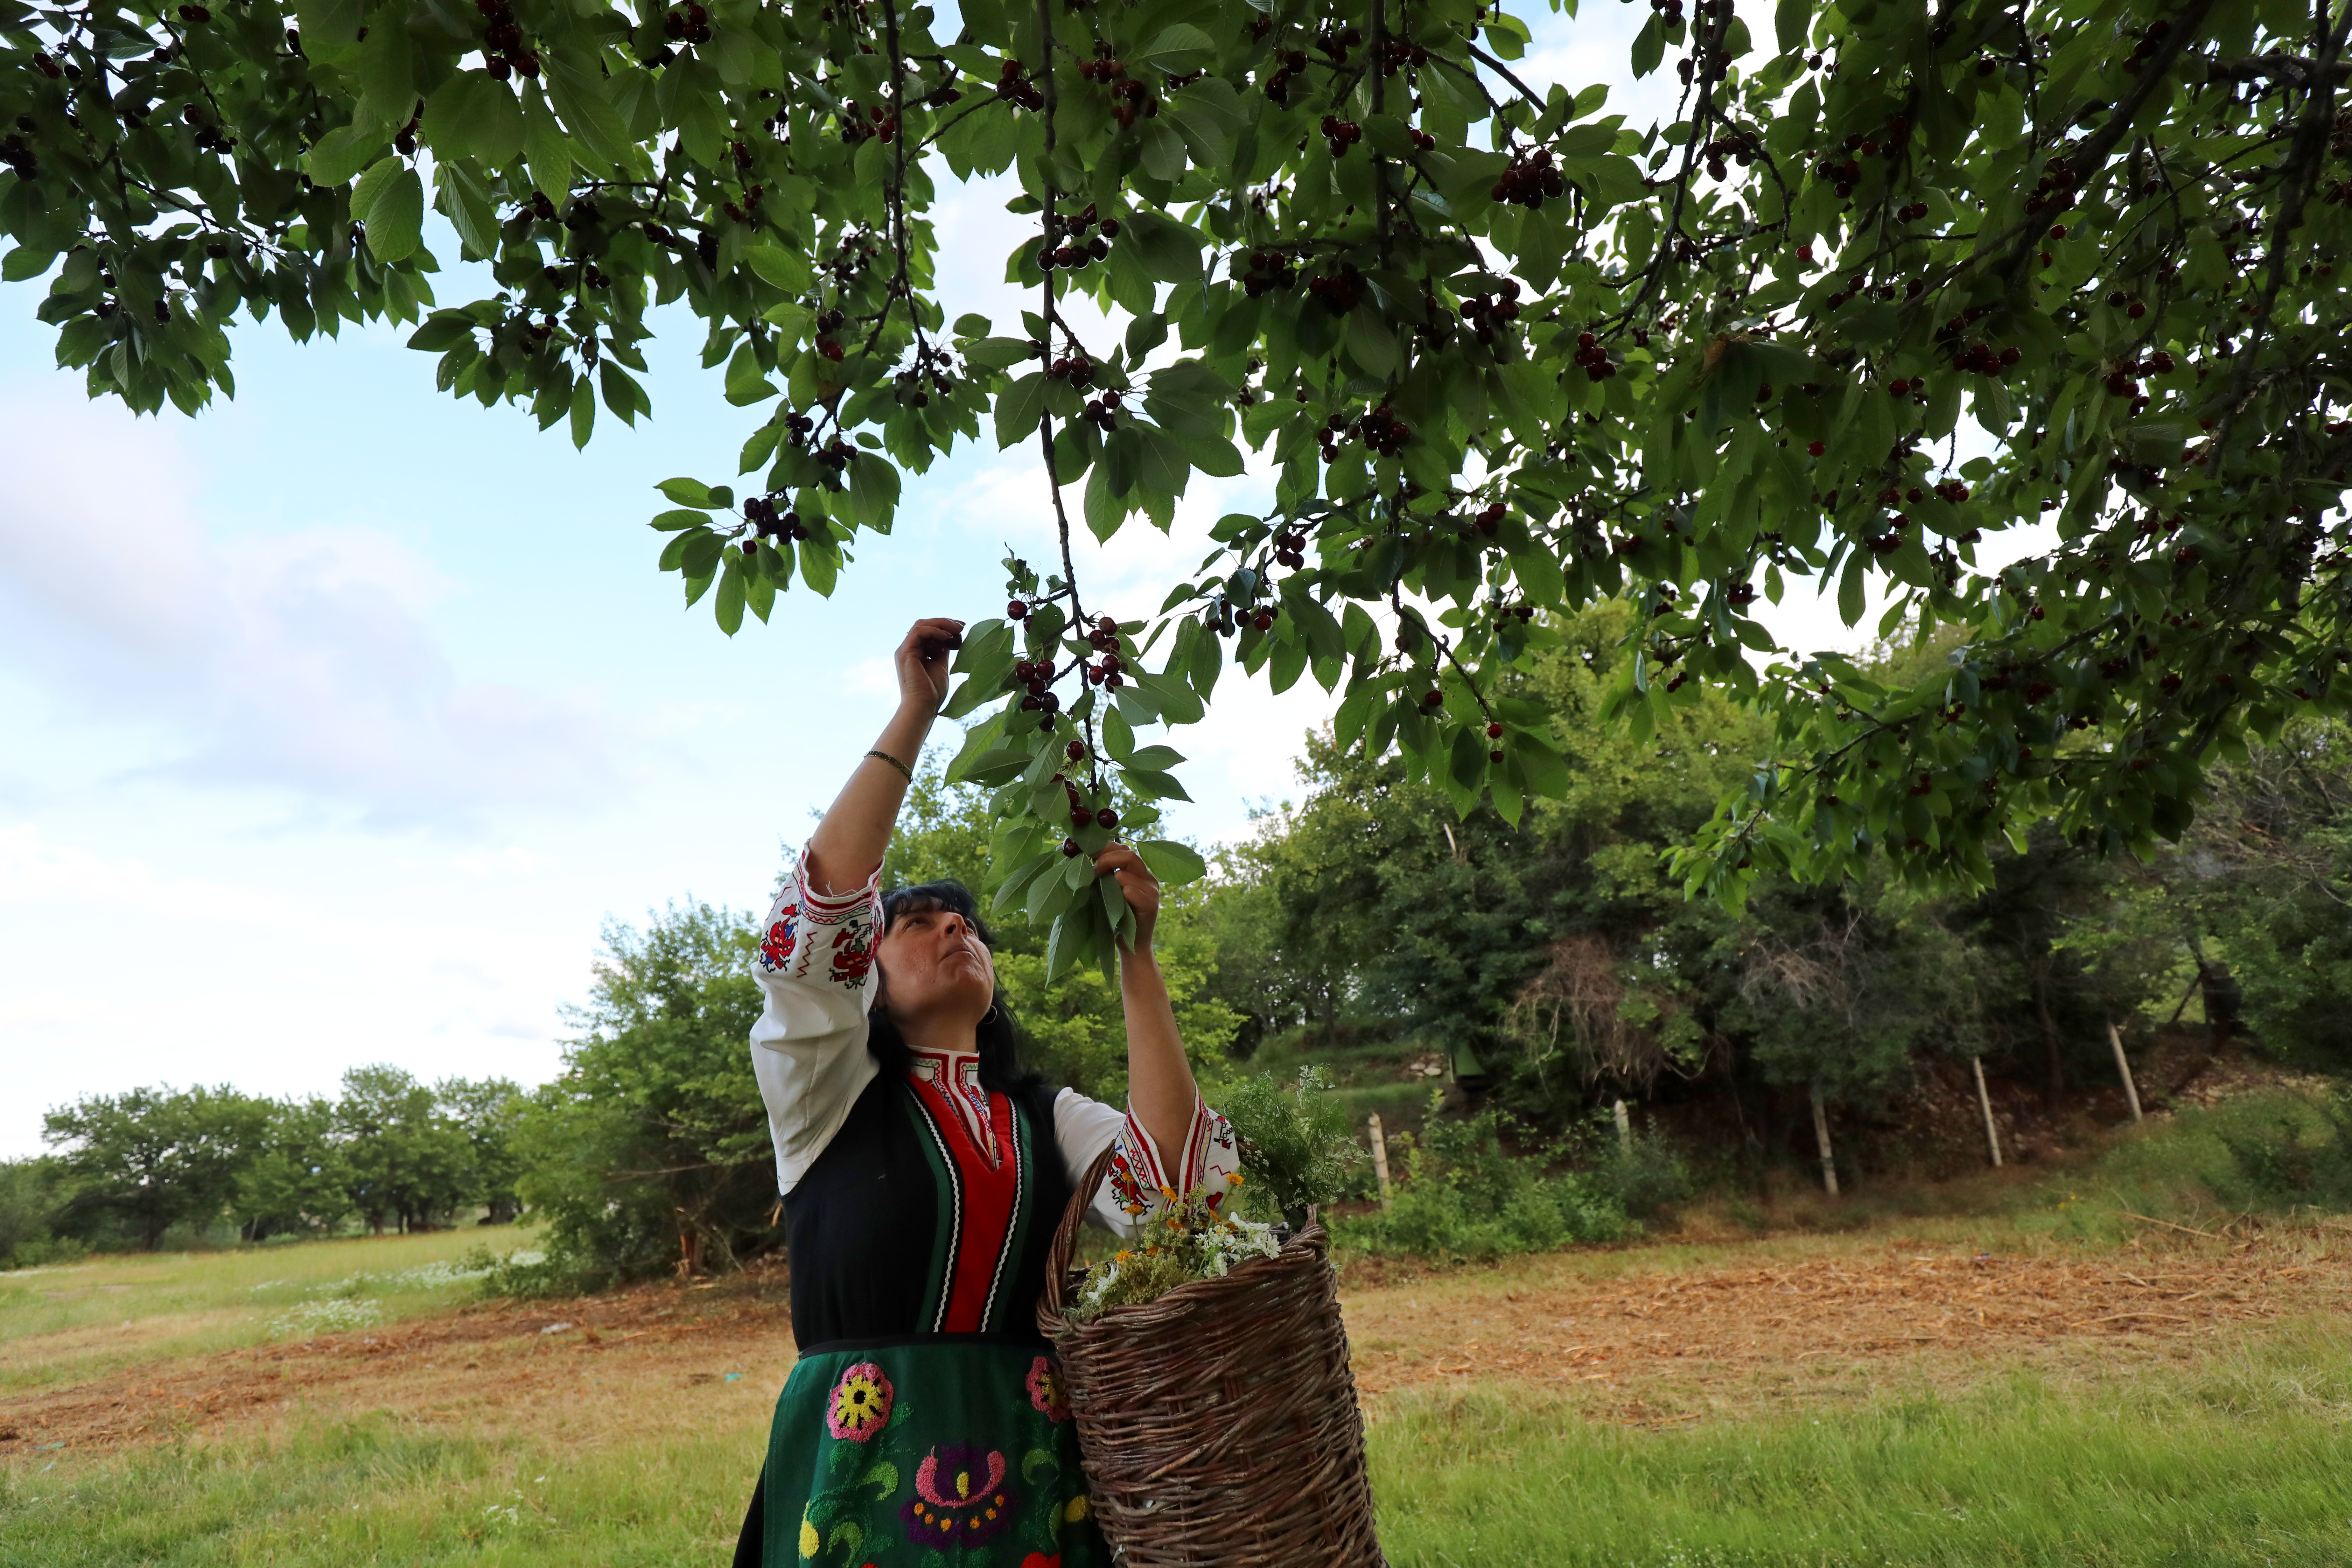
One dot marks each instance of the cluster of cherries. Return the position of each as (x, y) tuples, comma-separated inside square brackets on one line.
[(1077, 369), (770, 523), (2118, 300), (871, 120), (797, 427), (1130, 96), (1737, 145), (2151, 39), (1082, 816), (1489, 520), (1531, 180), (1036, 676), (1102, 412), (1339, 291), (1396, 54), (1911, 212), (686, 24), (504, 53), (1598, 366), (1276, 86), (1075, 250), (1986, 360), (828, 324), (1669, 11), (1014, 87), (834, 454), (1488, 314), (1340, 134), (2054, 191), (1290, 549), (1262, 270), (18, 152)]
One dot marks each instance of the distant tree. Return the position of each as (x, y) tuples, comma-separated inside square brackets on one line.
[(149, 1159), (487, 1111), (651, 1149), (296, 1181), (405, 1161), (29, 1201)]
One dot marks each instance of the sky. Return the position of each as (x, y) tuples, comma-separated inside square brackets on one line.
[(336, 721)]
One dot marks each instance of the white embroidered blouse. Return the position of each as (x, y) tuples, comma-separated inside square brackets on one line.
[(809, 1053)]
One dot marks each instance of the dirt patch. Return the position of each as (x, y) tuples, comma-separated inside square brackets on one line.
[(586, 1370), (1711, 1333), (1653, 1343)]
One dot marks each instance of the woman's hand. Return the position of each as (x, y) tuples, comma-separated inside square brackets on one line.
[(1140, 888), (922, 662)]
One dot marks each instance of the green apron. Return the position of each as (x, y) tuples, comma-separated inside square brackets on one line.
[(935, 1451)]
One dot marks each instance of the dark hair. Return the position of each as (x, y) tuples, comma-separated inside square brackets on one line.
[(1000, 1037)]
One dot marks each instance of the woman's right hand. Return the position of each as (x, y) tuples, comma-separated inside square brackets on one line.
[(922, 662)]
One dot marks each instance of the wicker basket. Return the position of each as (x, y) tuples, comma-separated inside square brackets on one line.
[(1219, 1424)]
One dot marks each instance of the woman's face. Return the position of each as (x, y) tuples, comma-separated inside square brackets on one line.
[(935, 969)]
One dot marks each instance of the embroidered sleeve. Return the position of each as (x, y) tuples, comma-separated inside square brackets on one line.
[(808, 1048), (1141, 1173)]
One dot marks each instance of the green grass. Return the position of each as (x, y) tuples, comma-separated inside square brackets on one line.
[(92, 1317), (2246, 1459), (2242, 1457)]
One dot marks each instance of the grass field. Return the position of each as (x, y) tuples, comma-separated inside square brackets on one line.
[(68, 1324), (2046, 1384)]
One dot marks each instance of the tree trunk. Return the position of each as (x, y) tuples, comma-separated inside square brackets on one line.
[(1821, 1136), (2052, 1048), (2222, 998)]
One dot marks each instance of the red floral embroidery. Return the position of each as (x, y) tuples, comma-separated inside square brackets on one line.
[(1124, 1186), (853, 955), (782, 938), (1045, 1390)]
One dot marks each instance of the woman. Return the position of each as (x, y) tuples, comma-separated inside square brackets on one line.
[(923, 1173)]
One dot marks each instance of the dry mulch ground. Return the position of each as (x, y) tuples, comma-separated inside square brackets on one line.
[(1703, 1335), (664, 1358), (648, 1359)]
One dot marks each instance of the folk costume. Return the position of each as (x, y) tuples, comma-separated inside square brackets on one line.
[(924, 1425)]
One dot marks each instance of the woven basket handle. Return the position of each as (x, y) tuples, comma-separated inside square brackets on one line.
[(1065, 1241)]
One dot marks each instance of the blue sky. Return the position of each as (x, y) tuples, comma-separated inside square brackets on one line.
[(339, 718)]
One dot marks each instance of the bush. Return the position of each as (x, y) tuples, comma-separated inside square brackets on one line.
[(1465, 1198), (29, 1201), (1646, 1176), (2284, 1156)]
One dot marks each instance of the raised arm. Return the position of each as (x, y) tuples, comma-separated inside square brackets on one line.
[(1159, 1087), (848, 843)]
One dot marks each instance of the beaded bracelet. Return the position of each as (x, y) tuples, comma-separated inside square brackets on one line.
[(896, 763)]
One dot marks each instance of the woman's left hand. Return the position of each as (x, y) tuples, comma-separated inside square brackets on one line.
[(1140, 888)]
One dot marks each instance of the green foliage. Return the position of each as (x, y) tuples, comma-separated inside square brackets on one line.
[(2284, 1161), (1506, 353), (1465, 1198), (652, 1148), (146, 1160), (1296, 1147), (1073, 1016), (29, 1199)]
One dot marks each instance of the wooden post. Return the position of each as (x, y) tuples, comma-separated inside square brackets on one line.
[(1381, 1159), (2123, 1066), (1624, 1129), (1984, 1103), (1821, 1136)]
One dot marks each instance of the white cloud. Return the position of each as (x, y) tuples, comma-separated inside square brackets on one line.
[(305, 661)]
